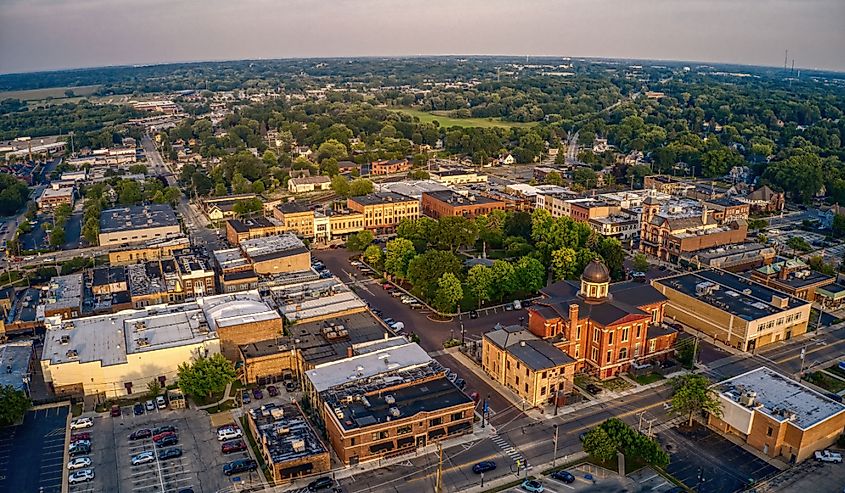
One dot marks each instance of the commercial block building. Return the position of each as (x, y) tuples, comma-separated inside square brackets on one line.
[(149, 251), (55, 196), (308, 184), (384, 211), (288, 444), (16, 361), (234, 271), (777, 415), (605, 328), (238, 230), (536, 370), (732, 309), (296, 218), (63, 296), (448, 203), (793, 277), (389, 167), (453, 177), (222, 208), (277, 254), (137, 224)]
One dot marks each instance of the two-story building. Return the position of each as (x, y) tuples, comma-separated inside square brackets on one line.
[(384, 211)]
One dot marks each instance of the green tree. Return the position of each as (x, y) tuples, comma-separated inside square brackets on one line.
[(613, 255), (480, 281), (359, 241), (565, 263), (798, 243), (220, 189), (553, 178), (258, 187), (529, 275), (374, 256), (425, 270), (57, 236), (691, 394), (504, 273), (153, 388), (206, 376), (400, 251), (130, 193), (600, 445), (340, 185), (13, 405), (640, 262), (453, 232), (246, 207), (360, 186), (332, 149), (240, 184), (585, 177), (448, 294)]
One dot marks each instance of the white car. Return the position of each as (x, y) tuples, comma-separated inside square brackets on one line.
[(78, 463), (81, 476), (828, 456), (143, 458), (150, 405), (229, 434), (161, 403), (81, 423)]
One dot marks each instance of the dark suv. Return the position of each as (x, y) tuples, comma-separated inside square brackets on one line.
[(321, 484), (141, 434), (241, 465)]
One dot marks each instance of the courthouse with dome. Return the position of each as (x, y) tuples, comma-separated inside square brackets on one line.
[(604, 327)]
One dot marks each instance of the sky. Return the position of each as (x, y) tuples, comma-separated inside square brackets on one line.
[(56, 34)]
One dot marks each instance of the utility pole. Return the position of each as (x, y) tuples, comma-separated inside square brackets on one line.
[(554, 457), (803, 353), (439, 483), (640, 424)]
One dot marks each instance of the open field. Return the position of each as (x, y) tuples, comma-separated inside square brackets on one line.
[(50, 92), (447, 121)]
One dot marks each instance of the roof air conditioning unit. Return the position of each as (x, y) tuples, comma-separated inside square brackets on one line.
[(748, 398), (389, 399), (72, 354)]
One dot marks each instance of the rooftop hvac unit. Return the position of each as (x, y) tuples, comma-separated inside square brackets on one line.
[(748, 398), (389, 399), (394, 411), (365, 401), (65, 340), (338, 412), (72, 354), (282, 430), (298, 445), (746, 291), (347, 399), (143, 342), (277, 413)]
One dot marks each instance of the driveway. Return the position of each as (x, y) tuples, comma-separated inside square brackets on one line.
[(32, 454)]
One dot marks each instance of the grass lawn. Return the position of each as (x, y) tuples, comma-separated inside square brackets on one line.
[(632, 463), (54, 92), (648, 378), (447, 121), (615, 384), (226, 405), (826, 382)]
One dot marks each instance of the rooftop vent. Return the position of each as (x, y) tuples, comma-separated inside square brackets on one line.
[(72, 354), (389, 399), (748, 398), (65, 340), (394, 411)]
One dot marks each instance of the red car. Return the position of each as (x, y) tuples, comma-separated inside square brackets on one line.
[(233, 446), (272, 390), (387, 285), (163, 434), (80, 436), (115, 411)]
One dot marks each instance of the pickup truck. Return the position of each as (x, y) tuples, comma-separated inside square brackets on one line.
[(828, 456)]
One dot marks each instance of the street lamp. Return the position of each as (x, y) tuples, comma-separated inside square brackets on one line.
[(462, 334), (554, 457)]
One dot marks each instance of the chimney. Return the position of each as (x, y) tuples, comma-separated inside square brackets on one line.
[(704, 213), (573, 318), (783, 273)]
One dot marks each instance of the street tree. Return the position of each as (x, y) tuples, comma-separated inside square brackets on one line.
[(565, 263), (13, 405), (206, 376), (400, 251), (640, 262), (480, 281), (360, 186), (374, 256), (691, 394), (359, 241), (529, 275), (599, 444), (246, 207), (448, 294), (503, 272), (426, 269), (153, 388), (340, 185)]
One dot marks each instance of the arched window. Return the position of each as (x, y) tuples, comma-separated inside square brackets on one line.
[(623, 353)]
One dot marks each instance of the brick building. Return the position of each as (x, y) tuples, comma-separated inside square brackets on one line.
[(296, 217), (604, 327), (793, 277), (277, 254), (449, 203), (732, 309), (238, 230), (384, 211), (534, 369), (777, 415), (390, 167)]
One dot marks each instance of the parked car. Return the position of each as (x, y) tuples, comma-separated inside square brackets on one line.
[(272, 390), (80, 443), (229, 434), (452, 377), (638, 276), (396, 293), (387, 285), (828, 456), (138, 409), (78, 463), (115, 411), (388, 321), (81, 423), (150, 406), (245, 397), (78, 449), (290, 386), (77, 437), (233, 446), (160, 436), (484, 466), (163, 429), (509, 307), (417, 305), (160, 402), (167, 441), (143, 458), (81, 476), (141, 434), (532, 486), (257, 393), (593, 389), (227, 426), (322, 483), (237, 466), (564, 476), (398, 326), (170, 453), (517, 305)]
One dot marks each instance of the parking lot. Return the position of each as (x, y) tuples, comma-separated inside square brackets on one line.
[(199, 467), (587, 478), (32, 454), (708, 463)]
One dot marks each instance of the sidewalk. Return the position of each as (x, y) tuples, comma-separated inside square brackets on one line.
[(222, 400)]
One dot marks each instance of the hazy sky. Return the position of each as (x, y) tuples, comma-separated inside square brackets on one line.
[(52, 34)]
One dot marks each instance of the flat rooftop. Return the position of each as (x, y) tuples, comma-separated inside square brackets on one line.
[(403, 402), (230, 258), (226, 310), (63, 292), (274, 246), (381, 198), (244, 225), (321, 306), (288, 437), (459, 199), (365, 366), (411, 188), (137, 217), (780, 397), (744, 298), (14, 362), (331, 339), (108, 275)]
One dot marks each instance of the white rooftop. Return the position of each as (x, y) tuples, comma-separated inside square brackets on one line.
[(271, 244), (230, 257), (781, 398), (364, 366), (226, 310), (335, 303), (64, 292)]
